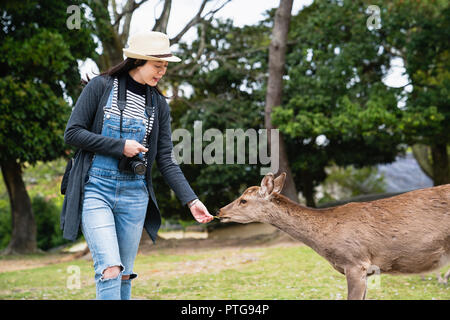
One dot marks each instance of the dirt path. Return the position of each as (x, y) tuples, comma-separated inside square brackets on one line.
[(23, 262), (169, 246)]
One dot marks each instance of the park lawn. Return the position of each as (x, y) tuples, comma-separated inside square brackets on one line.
[(276, 272)]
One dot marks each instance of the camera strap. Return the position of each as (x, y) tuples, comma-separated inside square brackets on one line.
[(150, 99), (122, 99)]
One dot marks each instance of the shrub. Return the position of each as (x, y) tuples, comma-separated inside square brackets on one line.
[(5, 223), (47, 214)]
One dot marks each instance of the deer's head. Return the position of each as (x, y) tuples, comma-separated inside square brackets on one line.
[(254, 202)]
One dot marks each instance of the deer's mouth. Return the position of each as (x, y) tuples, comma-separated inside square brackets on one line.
[(224, 219)]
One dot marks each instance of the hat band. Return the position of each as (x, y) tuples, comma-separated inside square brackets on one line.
[(159, 55)]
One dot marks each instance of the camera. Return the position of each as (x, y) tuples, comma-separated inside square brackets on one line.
[(132, 164)]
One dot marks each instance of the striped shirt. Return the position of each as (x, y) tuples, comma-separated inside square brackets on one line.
[(135, 107)]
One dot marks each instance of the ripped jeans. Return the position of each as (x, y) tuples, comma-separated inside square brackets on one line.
[(114, 210)]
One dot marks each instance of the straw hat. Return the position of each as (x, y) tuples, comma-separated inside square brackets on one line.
[(150, 45)]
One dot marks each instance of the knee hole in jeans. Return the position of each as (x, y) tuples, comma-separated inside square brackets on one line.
[(111, 272)]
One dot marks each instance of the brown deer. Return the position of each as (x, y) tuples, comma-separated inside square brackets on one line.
[(408, 233)]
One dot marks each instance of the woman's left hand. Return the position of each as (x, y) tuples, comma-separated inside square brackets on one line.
[(200, 212)]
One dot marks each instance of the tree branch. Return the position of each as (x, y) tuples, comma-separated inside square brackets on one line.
[(225, 57), (202, 45), (129, 10), (116, 15), (191, 23), (196, 19), (162, 21), (212, 12)]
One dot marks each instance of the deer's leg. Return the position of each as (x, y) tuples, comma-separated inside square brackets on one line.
[(356, 282), (439, 277), (446, 276)]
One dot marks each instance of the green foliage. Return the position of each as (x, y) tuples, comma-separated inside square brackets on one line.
[(5, 223), (38, 59), (336, 107), (45, 55), (417, 32), (335, 61), (226, 84), (342, 183), (38, 75), (46, 213), (44, 172), (32, 119), (335, 90), (43, 181)]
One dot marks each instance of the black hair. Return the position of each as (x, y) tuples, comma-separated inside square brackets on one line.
[(125, 66)]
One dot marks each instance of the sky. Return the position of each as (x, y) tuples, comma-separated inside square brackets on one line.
[(242, 12)]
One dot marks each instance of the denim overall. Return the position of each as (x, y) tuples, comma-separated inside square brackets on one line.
[(114, 210)]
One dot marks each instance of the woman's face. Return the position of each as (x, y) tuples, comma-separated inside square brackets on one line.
[(152, 71)]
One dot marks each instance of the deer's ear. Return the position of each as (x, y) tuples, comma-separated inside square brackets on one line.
[(266, 185), (279, 182)]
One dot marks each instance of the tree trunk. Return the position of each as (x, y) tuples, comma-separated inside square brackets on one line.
[(421, 154), (308, 190), (23, 238), (277, 58), (112, 41), (441, 172)]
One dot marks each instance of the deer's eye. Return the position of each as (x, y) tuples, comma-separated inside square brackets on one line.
[(243, 201)]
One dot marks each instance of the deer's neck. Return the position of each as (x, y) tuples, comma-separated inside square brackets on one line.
[(302, 223)]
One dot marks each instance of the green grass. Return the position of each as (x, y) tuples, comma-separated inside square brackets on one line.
[(293, 272)]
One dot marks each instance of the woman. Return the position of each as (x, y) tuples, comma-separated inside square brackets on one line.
[(113, 203)]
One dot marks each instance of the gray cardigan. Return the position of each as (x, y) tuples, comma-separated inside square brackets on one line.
[(83, 131)]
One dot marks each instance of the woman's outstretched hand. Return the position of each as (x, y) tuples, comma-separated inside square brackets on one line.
[(200, 213)]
